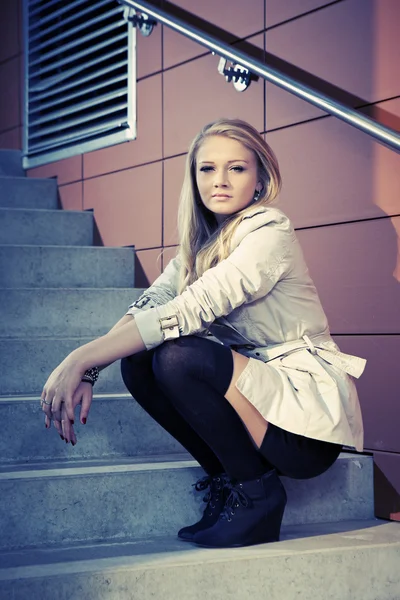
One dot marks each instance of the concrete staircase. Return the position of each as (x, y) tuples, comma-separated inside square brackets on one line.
[(99, 520)]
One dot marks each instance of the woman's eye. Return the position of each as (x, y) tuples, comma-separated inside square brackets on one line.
[(237, 168)]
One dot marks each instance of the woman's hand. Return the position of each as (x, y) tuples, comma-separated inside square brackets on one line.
[(62, 392), (83, 395)]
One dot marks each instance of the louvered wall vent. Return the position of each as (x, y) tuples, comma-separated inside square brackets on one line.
[(80, 78)]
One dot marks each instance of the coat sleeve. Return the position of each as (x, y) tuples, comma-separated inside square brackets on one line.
[(164, 289), (260, 260)]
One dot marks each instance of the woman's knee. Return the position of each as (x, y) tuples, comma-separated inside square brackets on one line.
[(180, 360), (191, 358), (167, 360)]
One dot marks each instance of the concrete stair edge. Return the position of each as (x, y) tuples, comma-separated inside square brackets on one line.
[(25, 193), (69, 267), (310, 561), (56, 227), (31, 313)]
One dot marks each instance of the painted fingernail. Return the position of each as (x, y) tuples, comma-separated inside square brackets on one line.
[(73, 443), (62, 437), (84, 420), (66, 441), (72, 422)]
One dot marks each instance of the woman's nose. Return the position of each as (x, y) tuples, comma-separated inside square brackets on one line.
[(221, 179)]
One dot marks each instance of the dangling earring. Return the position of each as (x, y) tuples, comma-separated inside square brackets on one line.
[(256, 195)]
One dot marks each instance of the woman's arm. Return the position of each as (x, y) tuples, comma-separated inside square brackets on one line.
[(63, 390), (123, 321), (122, 340), (263, 257)]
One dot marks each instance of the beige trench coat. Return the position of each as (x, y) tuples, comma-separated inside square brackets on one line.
[(262, 302)]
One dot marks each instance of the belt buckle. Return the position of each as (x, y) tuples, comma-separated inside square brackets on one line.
[(170, 327)]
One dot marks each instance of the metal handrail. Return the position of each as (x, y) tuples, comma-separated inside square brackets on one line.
[(389, 137)]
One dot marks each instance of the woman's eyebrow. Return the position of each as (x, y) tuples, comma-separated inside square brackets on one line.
[(227, 162)]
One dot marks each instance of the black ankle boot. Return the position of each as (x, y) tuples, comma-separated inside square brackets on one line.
[(252, 514), (215, 499)]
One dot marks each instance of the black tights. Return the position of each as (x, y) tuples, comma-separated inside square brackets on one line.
[(181, 384)]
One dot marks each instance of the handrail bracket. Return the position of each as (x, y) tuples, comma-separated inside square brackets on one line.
[(140, 20), (240, 76)]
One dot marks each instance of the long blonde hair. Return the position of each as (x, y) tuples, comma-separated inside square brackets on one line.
[(202, 243)]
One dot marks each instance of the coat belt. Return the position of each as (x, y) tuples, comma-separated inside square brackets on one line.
[(353, 365)]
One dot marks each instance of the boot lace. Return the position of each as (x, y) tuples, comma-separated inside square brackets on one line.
[(214, 485), (235, 499)]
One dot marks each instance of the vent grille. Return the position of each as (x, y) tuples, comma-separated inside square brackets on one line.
[(79, 78)]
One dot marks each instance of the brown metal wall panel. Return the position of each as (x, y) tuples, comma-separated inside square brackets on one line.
[(195, 94), (334, 173), (354, 267), (378, 387), (131, 201), (277, 11), (241, 19), (352, 45), (174, 169), (147, 266), (67, 170)]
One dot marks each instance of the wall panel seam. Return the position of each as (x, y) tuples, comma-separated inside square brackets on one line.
[(10, 58), (352, 334), (11, 129), (305, 14), (319, 118), (60, 185), (148, 75), (391, 334), (144, 249), (151, 162), (390, 452), (367, 219)]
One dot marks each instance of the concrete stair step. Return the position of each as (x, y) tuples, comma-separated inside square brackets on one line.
[(117, 427), (330, 561), (66, 267), (30, 313), (22, 192), (46, 227), (25, 364), (11, 163), (63, 503)]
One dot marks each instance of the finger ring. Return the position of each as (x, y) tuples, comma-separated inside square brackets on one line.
[(44, 402)]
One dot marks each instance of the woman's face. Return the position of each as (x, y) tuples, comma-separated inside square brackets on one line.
[(226, 175)]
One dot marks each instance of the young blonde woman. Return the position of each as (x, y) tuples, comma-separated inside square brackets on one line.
[(270, 394)]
